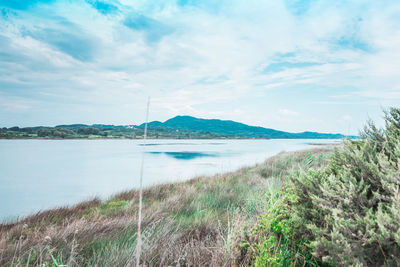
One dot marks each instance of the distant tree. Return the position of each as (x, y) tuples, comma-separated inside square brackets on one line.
[(44, 133), (15, 128), (88, 131), (55, 132), (26, 130)]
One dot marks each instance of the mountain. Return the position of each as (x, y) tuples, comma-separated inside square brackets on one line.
[(179, 127), (232, 128)]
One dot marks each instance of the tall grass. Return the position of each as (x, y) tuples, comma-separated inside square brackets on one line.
[(269, 242)]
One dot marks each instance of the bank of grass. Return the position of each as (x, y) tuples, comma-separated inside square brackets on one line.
[(199, 222)]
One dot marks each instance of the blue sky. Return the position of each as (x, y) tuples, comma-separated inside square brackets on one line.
[(291, 65)]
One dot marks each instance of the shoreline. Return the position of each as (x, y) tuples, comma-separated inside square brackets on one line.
[(183, 218), (20, 219), (311, 146), (318, 146), (238, 138)]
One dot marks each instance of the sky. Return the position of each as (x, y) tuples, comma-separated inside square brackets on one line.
[(290, 65)]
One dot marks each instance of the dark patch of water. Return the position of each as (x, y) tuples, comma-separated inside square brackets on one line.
[(186, 155)]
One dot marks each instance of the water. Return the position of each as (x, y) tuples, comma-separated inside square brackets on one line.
[(42, 174)]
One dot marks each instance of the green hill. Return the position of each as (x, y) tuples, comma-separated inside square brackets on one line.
[(232, 128), (179, 127)]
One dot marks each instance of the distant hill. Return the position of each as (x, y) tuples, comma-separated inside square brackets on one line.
[(179, 127), (232, 128)]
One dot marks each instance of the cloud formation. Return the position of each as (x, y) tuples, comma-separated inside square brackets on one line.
[(252, 61)]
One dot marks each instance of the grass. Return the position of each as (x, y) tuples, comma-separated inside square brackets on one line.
[(197, 222)]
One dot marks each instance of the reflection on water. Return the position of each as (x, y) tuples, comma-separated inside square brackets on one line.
[(179, 144), (185, 155)]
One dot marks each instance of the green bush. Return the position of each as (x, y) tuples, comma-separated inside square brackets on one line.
[(276, 239), (350, 210), (344, 214)]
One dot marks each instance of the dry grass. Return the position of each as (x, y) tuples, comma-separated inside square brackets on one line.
[(189, 223)]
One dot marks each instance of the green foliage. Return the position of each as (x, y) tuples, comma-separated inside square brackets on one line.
[(88, 131), (346, 213), (58, 133), (274, 241), (351, 209), (76, 131)]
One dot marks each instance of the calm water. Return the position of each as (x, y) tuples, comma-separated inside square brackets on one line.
[(41, 174)]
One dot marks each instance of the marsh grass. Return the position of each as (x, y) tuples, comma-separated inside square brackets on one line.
[(196, 222)]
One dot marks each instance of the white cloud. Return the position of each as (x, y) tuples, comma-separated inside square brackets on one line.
[(236, 40), (288, 113), (347, 118)]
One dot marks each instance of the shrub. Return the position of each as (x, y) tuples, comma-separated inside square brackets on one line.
[(346, 213), (351, 209), (276, 239)]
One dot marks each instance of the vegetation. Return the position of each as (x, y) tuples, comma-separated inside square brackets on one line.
[(344, 214), (180, 127), (197, 222), (97, 131), (277, 238)]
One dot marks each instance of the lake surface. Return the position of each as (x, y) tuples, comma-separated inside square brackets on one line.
[(42, 174)]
